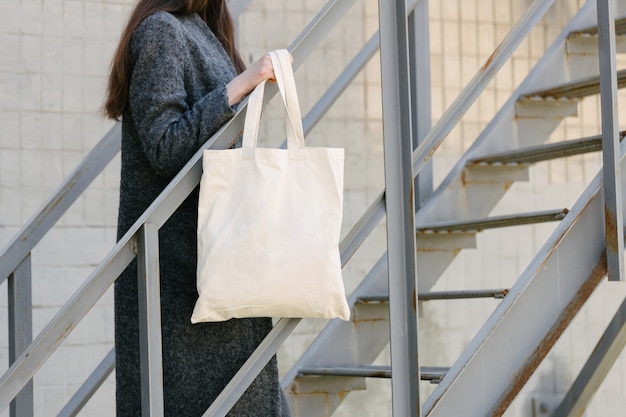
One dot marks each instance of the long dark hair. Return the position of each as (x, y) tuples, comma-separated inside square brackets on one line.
[(214, 12)]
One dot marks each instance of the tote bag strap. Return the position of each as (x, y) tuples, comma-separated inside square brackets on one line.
[(253, 116), (287, 86)]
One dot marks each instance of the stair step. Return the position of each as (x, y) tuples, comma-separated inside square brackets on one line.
[(620, 29), (544, 152), (440, 295), (576, 89), (434, 374), (495, 222), (584, 43)]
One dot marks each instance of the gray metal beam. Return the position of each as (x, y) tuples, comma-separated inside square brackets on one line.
[(61, 325), (318, 29), (20, 308), (427, 373), (448, 121), (64, 196), (545, 152), (495, 222), (576, 89), (614, 223), (478, 83), (531, 318), (419, 61), (596, 368), (251, 368), (400, 207), (90, 386), (339, 85), (151, 354), (497, 293), (237, 7), (71, 188), (158, 213)]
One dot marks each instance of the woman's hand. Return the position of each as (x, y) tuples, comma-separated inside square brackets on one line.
[(245, 82)]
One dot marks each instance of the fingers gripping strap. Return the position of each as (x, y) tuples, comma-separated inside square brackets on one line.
[(283, 71)]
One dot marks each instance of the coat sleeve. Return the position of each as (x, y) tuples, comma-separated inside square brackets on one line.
[(169, 128)]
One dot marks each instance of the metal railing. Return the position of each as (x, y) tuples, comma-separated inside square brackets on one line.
[(142, 239), (26, 362)]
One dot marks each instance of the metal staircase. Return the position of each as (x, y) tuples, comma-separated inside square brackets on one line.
[(445, 225), (340, 359)]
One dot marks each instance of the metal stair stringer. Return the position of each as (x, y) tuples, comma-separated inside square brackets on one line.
[(467, 193), (472, 191), (531, 318)]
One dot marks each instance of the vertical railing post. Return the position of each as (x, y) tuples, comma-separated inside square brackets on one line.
[(419, 61), (610, 142), (21, 330), (151, 361), (401, 251)]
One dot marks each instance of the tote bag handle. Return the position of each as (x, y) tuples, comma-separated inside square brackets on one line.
[(287, 86)]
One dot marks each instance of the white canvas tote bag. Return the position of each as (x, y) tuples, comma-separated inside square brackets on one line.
[(269, 222)]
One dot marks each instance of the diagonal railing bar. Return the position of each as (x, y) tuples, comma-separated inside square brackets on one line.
[(475, 87), (237, 7), (159, 211), (64, 196), (72, 187), (309, 122), (598, 365), (188, 178), (421, 156), (448, 121), (339, 85), (49, 339), (91, 385)]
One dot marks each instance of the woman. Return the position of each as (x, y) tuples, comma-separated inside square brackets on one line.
[(174, 80)]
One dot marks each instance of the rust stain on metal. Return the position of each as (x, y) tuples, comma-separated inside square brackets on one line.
[(374, 320), (540, 352), (611, 226), (66, 332), (53, 204), (414, 300), (491, 58), (562, 236), (464, 180)]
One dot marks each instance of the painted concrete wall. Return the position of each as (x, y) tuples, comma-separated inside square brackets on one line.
[(54, 57)]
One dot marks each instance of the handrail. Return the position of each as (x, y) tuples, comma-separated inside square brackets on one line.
[(65, 195), (72, 187), (188, 178), (159, 211), (448, 120), (376, 211), (308, 122)]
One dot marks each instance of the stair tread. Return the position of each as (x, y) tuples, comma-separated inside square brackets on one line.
[(428, 373), (620, 29), (576, 89), (544, 152), (495, 222), (442, 295)]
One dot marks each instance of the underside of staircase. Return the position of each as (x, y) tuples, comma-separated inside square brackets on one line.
[(529, 315), (527, 322)]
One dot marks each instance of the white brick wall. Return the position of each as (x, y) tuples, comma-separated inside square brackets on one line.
[(54, 57)]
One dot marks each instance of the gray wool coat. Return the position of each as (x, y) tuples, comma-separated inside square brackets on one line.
[(177, 100)]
